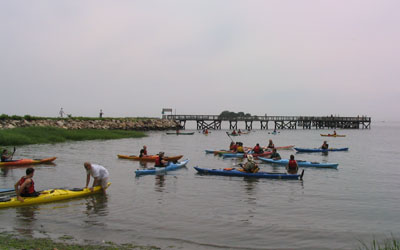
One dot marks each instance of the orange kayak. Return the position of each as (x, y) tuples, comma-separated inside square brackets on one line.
[(27, 162), (149, 157)]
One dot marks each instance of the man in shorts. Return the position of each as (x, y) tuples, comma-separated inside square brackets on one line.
[(99, 174)]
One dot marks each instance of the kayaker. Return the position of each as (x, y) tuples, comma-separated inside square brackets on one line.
[(292, 166), (257, 149), (5, 156), (143, 151), (270, 144), (334, 132), (233, 146), (239, 149), (324, 145), (99, 174), (25, 187), (234, 132), (160, 162), (250, 166), (239, 131), (275, 155)]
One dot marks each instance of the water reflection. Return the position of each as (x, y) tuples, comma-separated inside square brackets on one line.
[(96, 205), (143, 164), (25, 219), (159, 183)]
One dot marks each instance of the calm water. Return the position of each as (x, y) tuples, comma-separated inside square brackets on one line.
[(329, 209)]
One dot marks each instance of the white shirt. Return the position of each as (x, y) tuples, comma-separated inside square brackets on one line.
[(97, 171)]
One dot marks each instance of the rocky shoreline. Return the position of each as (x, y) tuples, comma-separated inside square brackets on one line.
[(142, 124)]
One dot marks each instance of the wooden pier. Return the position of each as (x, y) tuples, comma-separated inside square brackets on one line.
[(279, 122)]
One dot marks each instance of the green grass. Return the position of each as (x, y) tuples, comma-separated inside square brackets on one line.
[(40, 135), (387, 244), (4, 117), (8, 241)]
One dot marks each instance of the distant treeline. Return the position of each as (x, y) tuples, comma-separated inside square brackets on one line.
[(229, 114)]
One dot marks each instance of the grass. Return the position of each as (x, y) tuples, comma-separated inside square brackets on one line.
[(8, 241), (40, 135), (4, 117), (387, 244)]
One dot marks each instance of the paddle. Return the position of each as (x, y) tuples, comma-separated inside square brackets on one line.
[(229, 137), (12, 154)]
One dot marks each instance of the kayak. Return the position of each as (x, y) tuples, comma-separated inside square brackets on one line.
[(180, 133), (300, 163), (50, 196), (243, 155), (332, 135), (290, 147), (27, 162), (234, 172), (310, 150), (7, 191), (162, 170), (149, 157)]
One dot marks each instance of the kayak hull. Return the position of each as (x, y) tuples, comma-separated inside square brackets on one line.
[(50, 195), (238, 173), (27, 162), (330, 135), (242, 155), (284, 162), (315, 150), (149, 158), (180, 133), (162, 170)]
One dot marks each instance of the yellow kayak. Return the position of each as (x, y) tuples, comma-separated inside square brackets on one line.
[(50, 196)]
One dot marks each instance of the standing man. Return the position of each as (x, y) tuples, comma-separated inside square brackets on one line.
[(99, 174), (101, 113), (62, 113)]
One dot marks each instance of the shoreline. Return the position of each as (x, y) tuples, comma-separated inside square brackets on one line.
[(76, 123)]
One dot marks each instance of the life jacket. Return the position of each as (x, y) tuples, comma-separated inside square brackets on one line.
[(240, 149), (256, 149), (27, 190), (143, 152), (292, 164), (158, 161), (233, 147)]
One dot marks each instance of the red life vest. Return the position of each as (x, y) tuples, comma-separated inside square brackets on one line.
[(292, 164), (256, 149), (27, 190), (159, 162)]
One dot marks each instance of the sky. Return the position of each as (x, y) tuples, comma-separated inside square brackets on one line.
[(134, 58)]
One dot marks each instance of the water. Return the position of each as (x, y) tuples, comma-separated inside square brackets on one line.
[(329, 209)]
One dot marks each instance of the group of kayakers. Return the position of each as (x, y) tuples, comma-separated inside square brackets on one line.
[(25, 186)]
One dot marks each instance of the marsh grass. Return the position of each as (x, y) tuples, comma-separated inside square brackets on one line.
[(13, 242), (40, 135), (387, 244)]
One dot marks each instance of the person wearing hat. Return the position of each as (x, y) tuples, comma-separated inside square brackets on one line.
[(160, 162), (250, 166)]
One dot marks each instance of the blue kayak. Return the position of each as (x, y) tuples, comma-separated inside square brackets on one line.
[(233, 155), (234, 172), (311, 150), (162, 170), (300, 163), (6, 191)]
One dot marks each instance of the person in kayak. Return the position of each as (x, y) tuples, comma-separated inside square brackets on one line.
[(234, 132), (239, 149), (275, 155), (25, 187), (143, 151), (334, 132), (257, 149), (5, 156), (250, 166), (324, 145), (99, 174), (233, 147), (160, 162), (270, 144), (292, 166)]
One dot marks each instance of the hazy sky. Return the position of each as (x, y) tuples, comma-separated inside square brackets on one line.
[(133, 58)]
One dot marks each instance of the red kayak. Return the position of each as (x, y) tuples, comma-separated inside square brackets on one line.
[(27, 162)]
